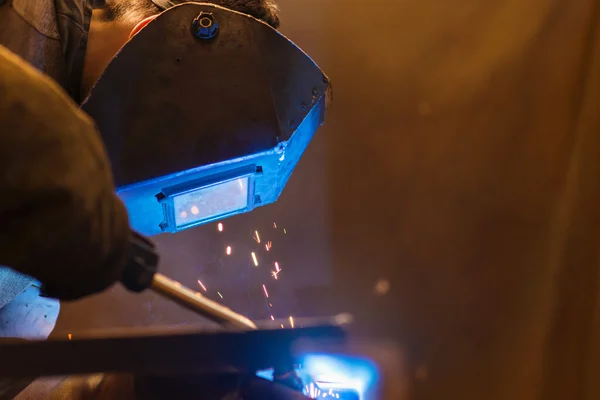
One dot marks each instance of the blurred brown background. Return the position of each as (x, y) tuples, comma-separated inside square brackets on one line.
[(450, 202)]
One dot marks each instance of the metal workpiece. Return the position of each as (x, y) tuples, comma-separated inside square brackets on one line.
[(163, 351)]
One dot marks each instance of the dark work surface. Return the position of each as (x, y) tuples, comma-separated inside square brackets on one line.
[(161, 353)]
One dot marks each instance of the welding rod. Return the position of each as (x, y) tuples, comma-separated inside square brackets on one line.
[(140, 273), (198, 303)]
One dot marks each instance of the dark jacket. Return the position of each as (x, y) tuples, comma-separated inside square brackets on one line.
[(49, 34), (62, 221)]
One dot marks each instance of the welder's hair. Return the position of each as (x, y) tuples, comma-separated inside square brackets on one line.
[(136, 10)]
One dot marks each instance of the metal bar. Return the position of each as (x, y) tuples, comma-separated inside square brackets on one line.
[(164, 352), (196, 302)]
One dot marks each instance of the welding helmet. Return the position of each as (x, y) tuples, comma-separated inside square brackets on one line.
[(205, 114)]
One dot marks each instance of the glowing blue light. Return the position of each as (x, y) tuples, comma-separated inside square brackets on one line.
[(265, 374), (335, 376), (210, 201), (335, 373)]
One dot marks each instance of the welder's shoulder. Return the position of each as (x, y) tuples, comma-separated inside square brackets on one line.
[(29, 93), (36, 109)]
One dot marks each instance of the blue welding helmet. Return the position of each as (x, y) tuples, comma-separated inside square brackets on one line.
[(205, 114)]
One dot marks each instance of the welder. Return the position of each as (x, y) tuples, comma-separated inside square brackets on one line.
[(63, 225)]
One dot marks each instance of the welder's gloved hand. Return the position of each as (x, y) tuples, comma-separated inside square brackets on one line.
[(62, 222)]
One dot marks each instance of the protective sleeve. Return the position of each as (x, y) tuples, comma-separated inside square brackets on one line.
[(62, 222)]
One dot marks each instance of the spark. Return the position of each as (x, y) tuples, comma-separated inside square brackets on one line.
[(277, 266), (254, 259), (281, 326), (256, 237), (195, 210), (266, 293), (274, 225), (183, 214), (284, 231), (274, 274), (220, 227), (270, 305), (220, 295), (292, 321), (268, 245), (69, 336), (200, 283), (228, 250), (272, 318)]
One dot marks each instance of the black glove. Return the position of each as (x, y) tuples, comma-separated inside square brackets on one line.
[(62, 222), (142, 264)]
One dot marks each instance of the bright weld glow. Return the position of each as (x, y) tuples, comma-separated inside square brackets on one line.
[(200, 283), (292, 321), (254, 259), (272, 318), (220, 295), (266, 293), (220, 227), (256, 237), (228, 250), (341, 372), (70, 336), (277, 266)]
